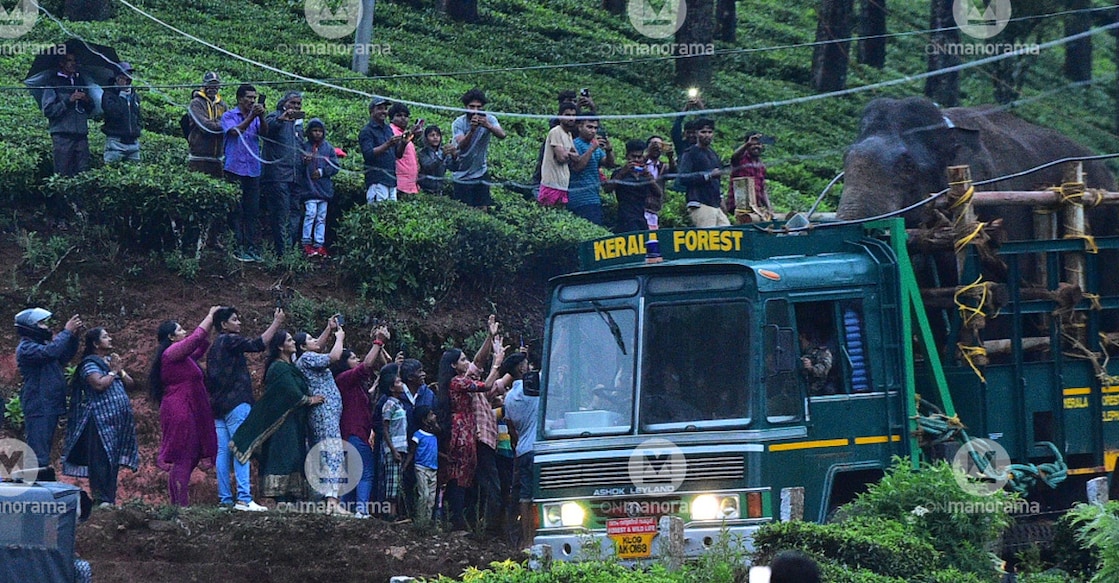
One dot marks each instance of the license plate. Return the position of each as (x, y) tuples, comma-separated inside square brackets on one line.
[(633, 537)]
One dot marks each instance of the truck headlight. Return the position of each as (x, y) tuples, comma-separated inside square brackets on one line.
[(563, 514), (715, 507)]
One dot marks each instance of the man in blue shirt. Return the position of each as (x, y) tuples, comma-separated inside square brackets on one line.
[(243, 129), (701, 173), (472, 133), (583, 197), (381, 149)]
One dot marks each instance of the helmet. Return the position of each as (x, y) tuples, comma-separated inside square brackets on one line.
[(27, 324), (31, 317)]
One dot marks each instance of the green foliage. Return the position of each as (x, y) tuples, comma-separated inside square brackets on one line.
[(585, 572), (419, 248), (148, 206), (1098, 529), (929, 501), (13, 412), (39, 254), (884, 547)]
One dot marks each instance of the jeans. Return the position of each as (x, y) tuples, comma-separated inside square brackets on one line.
[(379, 192), (364, 490), (283, 214), (226, 426), (246, 215), (40, 435), (314, 222), (116, 150)]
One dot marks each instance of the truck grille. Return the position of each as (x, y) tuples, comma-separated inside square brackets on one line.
[(614, 472)]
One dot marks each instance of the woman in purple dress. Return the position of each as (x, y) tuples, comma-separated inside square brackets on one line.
[(176, 383)]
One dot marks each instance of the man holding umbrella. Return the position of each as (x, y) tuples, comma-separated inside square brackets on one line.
[(67, 106)]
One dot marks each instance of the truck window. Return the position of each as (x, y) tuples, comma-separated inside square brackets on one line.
[(783, 399), (590, 382), (695, 366)]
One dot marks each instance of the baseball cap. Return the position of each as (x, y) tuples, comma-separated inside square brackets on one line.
[(211, 78), (125, 67), (379, 101)]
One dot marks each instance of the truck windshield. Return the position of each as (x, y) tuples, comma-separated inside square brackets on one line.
[(590, 373), (695, 368)]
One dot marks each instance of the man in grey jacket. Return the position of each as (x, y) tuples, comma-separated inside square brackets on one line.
[(67, 107), (282, 151), (40, 361)]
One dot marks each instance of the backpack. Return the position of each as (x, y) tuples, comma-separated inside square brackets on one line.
[(186, 124)]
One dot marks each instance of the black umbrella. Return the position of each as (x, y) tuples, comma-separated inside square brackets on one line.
[(96, 63)]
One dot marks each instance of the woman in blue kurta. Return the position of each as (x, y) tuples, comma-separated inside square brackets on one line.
[(326, 419), (101, 432)]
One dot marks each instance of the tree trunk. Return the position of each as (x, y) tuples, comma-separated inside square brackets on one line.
[(943, 89), (1078, 54), (462, 10), (872, 28), (615, 7), (726, 15), (693, 61), (86, 10), (829, 61), (363, 37)]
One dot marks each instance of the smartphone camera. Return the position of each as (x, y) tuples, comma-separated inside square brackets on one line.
[(340, 319), (585, 92)]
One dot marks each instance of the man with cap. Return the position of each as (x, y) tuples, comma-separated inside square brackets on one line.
[(207, 148), (381, 149), (40, 360), (121, 105), (243, 129)]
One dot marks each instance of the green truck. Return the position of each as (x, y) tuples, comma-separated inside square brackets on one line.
[(683, 375)]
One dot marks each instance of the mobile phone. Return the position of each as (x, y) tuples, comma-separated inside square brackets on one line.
[(299, 114), (261, 99), (585, 92), (340, 319)]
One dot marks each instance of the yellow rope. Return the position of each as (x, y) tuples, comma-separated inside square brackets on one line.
[(969, 352), (1095, 299), (963, 241), (967, 312), (1089, 241), (965, 198), (1072, 193)]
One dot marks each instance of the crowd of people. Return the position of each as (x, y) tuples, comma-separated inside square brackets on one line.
[(283, 162), (459, 450)]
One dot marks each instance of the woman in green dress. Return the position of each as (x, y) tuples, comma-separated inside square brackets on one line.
[(276, 428)]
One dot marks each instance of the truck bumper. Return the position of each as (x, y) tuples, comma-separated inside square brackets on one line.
[(568, 546)]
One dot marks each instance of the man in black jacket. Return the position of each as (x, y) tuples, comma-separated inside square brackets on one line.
[(121, 105)]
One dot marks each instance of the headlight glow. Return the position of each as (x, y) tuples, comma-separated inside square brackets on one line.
[(715, 507), (571, 514)]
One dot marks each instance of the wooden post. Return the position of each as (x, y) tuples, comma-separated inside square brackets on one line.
[(670, 536), (1045, 228), (963, 225), (1075, 225), (1072, 215)]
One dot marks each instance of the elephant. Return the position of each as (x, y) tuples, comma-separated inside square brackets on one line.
[(905, 146), (902, 153)]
